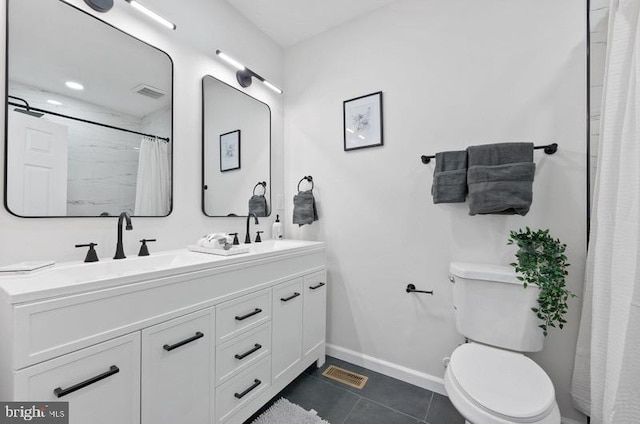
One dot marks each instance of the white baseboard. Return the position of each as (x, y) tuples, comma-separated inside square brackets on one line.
[(408, 375), (417, 378)]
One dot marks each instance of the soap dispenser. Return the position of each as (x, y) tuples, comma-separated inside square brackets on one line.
[(276, 229)]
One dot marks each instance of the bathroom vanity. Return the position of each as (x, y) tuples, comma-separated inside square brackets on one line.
[(176, 337)]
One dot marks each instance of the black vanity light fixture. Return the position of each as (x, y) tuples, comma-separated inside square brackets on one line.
[(100, 5), (244, 75), (150, 13)]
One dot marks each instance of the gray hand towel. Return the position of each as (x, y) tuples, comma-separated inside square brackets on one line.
[(304, 208), (258, 205), (450, 177), (500, 178)]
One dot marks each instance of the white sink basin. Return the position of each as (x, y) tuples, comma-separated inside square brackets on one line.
[(276, 245)]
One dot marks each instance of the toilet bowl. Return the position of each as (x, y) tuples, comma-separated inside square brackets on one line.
[(488, 385), (489, 380)]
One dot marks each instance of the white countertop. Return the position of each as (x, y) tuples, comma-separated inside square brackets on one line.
[(68, 278)]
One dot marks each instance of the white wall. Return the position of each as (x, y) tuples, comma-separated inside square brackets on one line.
[(454, 74), (192, 48)]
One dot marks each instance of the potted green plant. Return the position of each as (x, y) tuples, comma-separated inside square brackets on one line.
[(541, 261)]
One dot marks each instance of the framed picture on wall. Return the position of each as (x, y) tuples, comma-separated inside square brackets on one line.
[(363, 121), (230, 151)]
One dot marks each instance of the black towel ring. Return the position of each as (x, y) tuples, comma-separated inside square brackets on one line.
[(308, 178), (264, 186)]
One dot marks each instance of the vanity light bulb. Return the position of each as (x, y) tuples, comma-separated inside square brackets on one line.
[(153, 15), (231, 61), (271, 86), (74, 85)]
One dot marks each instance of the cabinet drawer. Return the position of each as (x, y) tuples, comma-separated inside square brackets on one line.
[(239, 315), (101, 383), (235, 393), (177, 369), (243, 351)]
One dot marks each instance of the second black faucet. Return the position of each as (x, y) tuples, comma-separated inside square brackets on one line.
[(119, 247)]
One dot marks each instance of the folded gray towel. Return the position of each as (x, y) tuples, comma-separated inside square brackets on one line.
[(499, 154), (501, 189), (258, 205), (450, 177), (304, 208), (500, 178)]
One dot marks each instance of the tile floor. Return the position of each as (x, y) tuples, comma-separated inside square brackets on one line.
[(384, 400)]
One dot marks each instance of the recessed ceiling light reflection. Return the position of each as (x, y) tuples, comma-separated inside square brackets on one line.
[(54, 102), (74, 85)]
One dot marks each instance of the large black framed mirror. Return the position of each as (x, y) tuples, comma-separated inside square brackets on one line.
[(89, 116), (236, 151)]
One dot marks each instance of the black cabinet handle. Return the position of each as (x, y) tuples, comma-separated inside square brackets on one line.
[(317, 286), (256, 348), (293, 296), (169, 348), (59, 392), (249, 315), (255, 384)]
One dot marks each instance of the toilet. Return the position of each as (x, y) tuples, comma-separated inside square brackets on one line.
[(489, 380)]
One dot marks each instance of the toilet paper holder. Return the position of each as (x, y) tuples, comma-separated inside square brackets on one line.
[(412, 289)]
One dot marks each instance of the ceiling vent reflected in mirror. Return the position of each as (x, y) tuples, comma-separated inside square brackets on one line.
[(149, 91)]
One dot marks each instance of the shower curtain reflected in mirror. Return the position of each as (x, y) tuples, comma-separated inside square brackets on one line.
[(153, 187)]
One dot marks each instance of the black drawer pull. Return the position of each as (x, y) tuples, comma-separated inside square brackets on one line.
[(293, 296), (255, 384), (316, 287), (59, 392), (169, 348), (249, 315), (256, 348)]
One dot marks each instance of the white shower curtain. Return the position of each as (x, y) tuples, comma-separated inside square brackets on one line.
[(606, 380), (153, 188)]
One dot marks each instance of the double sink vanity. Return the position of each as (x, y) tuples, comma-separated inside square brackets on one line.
[(175, 337)]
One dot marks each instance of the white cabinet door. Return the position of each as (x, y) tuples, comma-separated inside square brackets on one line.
[(101, 383), (286, 345), (315, 311), (177, 370)]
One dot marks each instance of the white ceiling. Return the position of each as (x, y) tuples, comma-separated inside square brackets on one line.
[(288, 22)]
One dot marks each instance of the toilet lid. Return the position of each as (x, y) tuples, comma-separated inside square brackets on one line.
[(503, 382)]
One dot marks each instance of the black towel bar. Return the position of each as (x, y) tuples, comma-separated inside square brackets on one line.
[(548, 149)]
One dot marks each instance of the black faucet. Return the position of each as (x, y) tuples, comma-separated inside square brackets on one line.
[(247, 239), (119, 248)]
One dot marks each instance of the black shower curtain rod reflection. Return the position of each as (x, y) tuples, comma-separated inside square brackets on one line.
[(548, 149), (86, 121)]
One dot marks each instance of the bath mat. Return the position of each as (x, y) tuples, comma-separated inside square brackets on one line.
[(285, 412), (345, 376)]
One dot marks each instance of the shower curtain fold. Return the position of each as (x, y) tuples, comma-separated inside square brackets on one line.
[(606, 378), (153, 187)]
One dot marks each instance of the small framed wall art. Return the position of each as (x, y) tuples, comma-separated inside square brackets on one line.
[(230, 151), (363, 121)]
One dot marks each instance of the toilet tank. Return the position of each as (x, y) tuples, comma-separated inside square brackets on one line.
[(493, 307)]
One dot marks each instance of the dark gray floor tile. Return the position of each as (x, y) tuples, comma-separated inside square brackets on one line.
[(442, 411), (404, 397), (367, 412), (332, 403)]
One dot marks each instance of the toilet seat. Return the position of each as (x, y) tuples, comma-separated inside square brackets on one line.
[(491, 385)]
